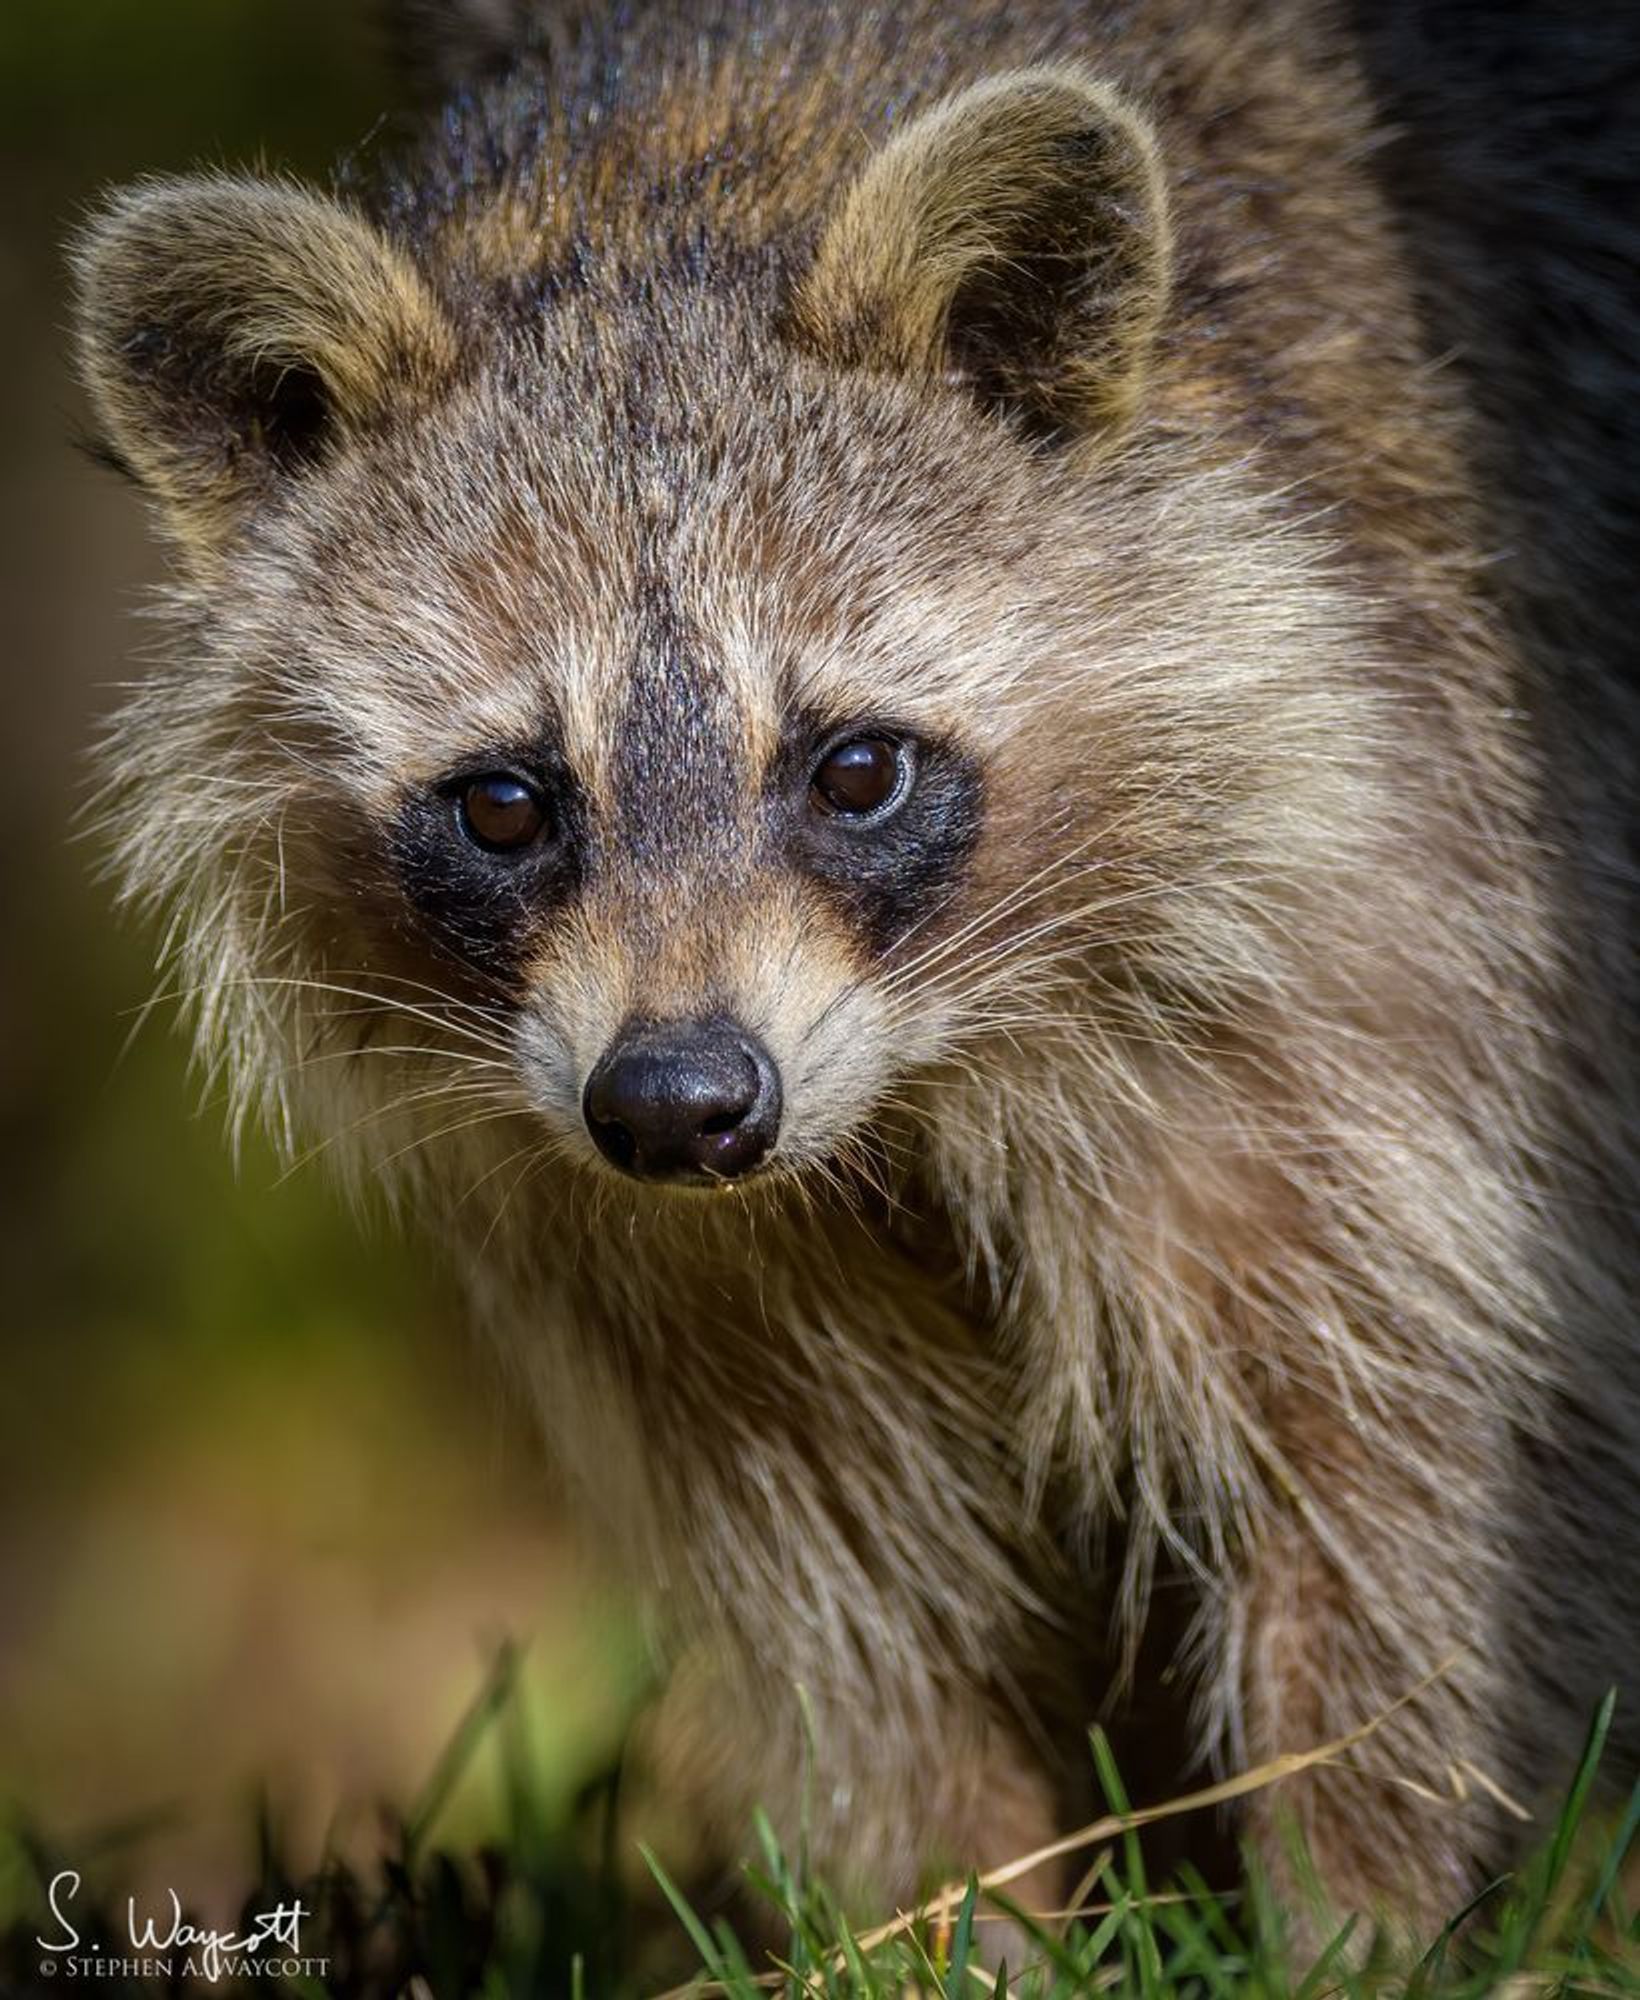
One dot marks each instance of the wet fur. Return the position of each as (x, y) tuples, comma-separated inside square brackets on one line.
[(1223, 1176)]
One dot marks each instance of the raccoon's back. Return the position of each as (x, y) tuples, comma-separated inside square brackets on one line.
[(1513, 165)]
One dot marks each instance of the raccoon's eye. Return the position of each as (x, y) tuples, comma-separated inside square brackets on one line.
[(861, 779), (500, 812)]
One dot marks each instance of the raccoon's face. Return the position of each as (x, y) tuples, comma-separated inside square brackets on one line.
[(693, 934), (691, 902), (668, 743), (674, 706)]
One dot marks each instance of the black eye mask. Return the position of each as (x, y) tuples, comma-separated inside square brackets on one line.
[(885, 867), (490, 853)]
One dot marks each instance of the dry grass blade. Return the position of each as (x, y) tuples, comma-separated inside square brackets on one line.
[(1261, 1776)]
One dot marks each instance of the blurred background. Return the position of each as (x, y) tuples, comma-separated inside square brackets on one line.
[(263, 1518)]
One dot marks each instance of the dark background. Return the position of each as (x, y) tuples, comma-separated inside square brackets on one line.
[(260, 1517)]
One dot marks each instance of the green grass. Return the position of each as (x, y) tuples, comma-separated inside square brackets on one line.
[(547, 1909)]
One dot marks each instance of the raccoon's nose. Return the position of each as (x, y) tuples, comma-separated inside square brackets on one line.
[(684, 1100)]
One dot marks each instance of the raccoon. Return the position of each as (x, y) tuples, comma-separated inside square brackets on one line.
[(843, 697)]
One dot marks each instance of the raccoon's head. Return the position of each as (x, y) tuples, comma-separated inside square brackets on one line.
[(686, 699)]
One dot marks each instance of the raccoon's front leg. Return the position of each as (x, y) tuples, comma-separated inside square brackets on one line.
[(1376, 1574), (889, 1800)]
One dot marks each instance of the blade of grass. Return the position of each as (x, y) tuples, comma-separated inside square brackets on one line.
[(1054, 1951), (1333, 1958), (1622, 1841), (699, 1936), (1577, 1798), (962, 1940), (1529, 1919), (1424, 1971), (1198, 1955), (497, 1690), (1140, 1931)]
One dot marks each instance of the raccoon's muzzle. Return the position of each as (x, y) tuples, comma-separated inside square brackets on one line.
[(684, 1101)]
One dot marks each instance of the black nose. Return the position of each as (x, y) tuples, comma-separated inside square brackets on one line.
[(684, 1100)]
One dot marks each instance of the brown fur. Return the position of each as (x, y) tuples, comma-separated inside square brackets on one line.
[(1225, 1181)]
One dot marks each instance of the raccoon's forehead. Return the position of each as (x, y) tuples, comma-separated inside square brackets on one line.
[(682, 584)]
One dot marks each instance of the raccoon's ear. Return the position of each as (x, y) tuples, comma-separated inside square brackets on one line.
[(233, 332), (1014, 238)]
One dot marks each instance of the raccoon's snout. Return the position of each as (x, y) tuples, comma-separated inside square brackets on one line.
[(684, 1100)]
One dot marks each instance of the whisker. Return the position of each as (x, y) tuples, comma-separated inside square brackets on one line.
[(372, 1002), (432, 1049), (454, 1091), (446, 1131)]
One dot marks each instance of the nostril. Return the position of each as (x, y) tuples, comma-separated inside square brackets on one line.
[(617, 1142)]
